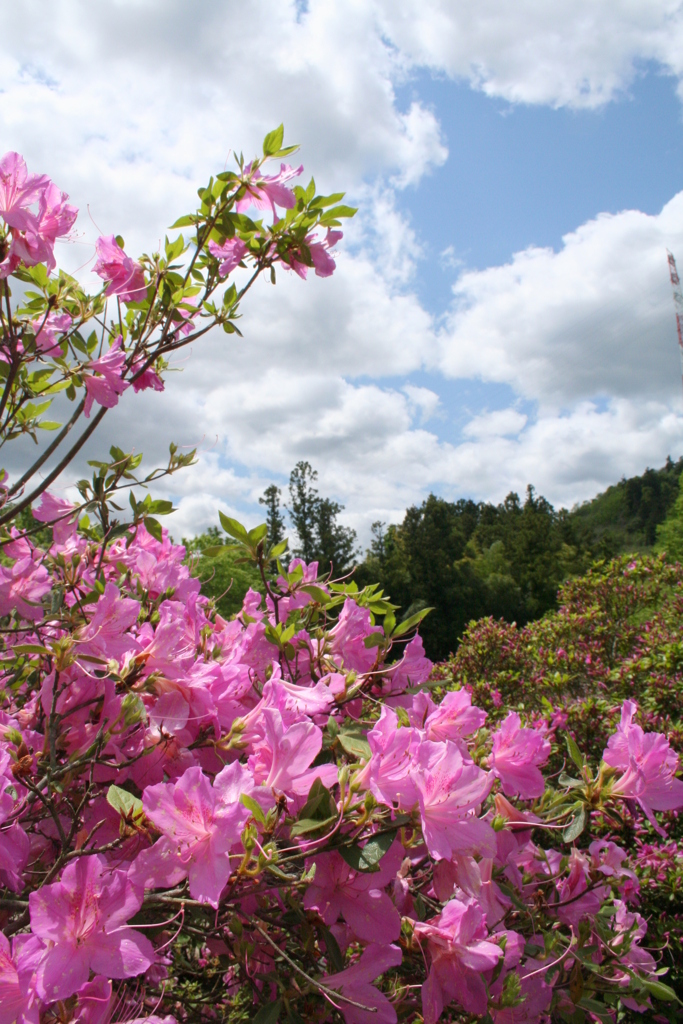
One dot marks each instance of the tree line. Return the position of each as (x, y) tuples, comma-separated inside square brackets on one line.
[(464, 559)]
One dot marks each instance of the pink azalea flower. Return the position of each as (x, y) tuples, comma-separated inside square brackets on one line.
[(103, 378), (22, 585), (149, 378), (55, 218), (649, 765), (575, 906), (348, 638), (49, 329), (319, 250), (454, 719), (516, 756), (199, 825), (337, 890), (449, 792), (125, 276), (83, 918), (266, 191), (18, 963), (230, 254), (411, 670), (458, 944), (355, 983), (15, 848), (18, 191), (59, 513), (106, 634), (94, 1002), (390, 772), (282, 757)]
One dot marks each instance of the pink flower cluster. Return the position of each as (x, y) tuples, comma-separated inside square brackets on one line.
[(35, 214), (223, 737)]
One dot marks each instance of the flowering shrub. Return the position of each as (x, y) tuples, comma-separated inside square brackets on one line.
[(614, 642), (265, 817)]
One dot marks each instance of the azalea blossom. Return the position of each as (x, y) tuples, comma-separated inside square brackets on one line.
[(355, 984), (460, 950), (230, 254), (357, 896), (125, 277), (83, 919), (516, 757), (649, 765), (199, 825), (103, 378), (266, 191), (449, 793)]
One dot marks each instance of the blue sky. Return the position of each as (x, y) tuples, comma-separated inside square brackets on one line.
[(501, 312), (522, 175)]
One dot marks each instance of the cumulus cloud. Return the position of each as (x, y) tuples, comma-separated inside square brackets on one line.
[(130, 105), (594, 318), (577, 53)]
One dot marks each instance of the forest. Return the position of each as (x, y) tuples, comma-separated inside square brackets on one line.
[(463, 559)]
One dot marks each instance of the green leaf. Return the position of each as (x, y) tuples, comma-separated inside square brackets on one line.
[(153, 526), (29, 649), (334, 954), (161, 508), (272, 143), (411, 622), (48, 425), (366, 858), (268, 1014), (258, 533), (305, 825), (341, 211), (233, 528), (319, 804), (373, 640), (575, 826), (255, 808), (278, 549), (574, 752), (568, 782), (125, 803), (660, 991), (317, 593), (352, 739)]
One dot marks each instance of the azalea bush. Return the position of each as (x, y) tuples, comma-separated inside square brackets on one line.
[(266, 817), (616, 636)]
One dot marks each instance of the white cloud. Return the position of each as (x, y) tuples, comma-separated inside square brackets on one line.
[(595, 318), (578, 53), (502, 423), (130, 105)]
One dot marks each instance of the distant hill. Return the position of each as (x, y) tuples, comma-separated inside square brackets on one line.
[(625, 516)]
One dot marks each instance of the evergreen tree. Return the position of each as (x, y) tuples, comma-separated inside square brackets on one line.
[(335, 545), (670, 532), (274, 517), (304, 508)]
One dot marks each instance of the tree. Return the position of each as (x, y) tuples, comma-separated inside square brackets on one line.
[(335, 545), (274, 518), (670, 532), (321, 538), (303, 508)]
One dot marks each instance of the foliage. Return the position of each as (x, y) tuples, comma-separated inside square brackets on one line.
[(470, 559), (223, 576), (266, 817), (321, 538), (625, 517), (670, 532), (616, 636)]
